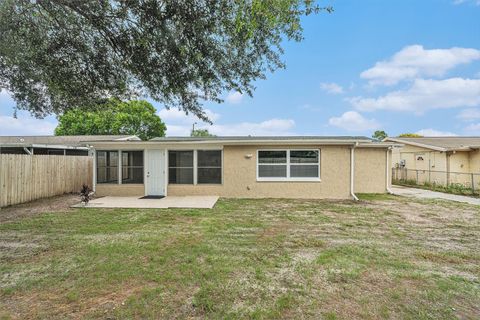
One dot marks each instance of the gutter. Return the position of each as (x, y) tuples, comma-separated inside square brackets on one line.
[(352, 171), (387, 171)]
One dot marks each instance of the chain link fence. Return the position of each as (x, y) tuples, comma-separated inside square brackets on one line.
[(451, 182)]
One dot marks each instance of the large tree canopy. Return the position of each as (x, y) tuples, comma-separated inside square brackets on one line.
[(114, 117), (62, 54)]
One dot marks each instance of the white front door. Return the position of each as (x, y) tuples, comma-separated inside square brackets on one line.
[(155, 172)]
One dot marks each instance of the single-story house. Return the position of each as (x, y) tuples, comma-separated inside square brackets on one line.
[(242, 167), (438, 159), (55, 145)]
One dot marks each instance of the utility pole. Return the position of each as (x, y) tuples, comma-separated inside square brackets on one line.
[(193, 127)]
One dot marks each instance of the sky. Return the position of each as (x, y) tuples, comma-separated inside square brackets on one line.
[(398, 66)]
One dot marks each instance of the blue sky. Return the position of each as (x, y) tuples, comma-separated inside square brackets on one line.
[(399, 66)]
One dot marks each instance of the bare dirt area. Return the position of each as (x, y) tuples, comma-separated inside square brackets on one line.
[(53, 204)]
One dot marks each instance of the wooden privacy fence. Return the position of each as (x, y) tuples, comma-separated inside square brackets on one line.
[(25, 178)]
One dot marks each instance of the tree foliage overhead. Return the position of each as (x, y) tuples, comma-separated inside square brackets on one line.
[(379, 135), (113, 117), (59, 54), (410, 135), (201, 133)]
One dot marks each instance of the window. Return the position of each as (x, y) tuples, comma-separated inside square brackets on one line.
[(272, 164), (180, 167), (107, 166), (294, 165), (304, 164), (195, 167), (209, 166), (132, 167)]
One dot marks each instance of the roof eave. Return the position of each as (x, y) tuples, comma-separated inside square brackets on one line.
[(416, 144)]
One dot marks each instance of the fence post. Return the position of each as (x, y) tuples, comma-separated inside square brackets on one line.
[(417, 175)]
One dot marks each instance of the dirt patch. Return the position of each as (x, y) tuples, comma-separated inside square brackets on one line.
[(30, 209)]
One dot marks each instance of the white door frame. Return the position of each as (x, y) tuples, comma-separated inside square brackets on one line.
[(145, 172)]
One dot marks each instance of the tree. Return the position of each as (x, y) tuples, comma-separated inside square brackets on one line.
[(410, 135), (58, 55), (201, 133), (113, 117), (379, 135)]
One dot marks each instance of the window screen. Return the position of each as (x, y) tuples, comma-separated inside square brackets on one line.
[(180, 167), (107, 166), (209, 166), (132, 167)]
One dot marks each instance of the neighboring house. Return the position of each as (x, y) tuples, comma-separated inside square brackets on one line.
[(246, 167), (56, 145), (444, 159)]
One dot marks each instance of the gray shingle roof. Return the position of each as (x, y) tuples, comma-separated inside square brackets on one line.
[(58, 140), (255, 138), (446, 143)]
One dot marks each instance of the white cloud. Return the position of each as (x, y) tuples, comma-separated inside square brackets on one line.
[(179, 116), (469, 114), (354, 121), (414, 61), (457, 2), (272, 127), (473, 129), (234, 97), (424, 95), (25, 125), (331, 87), (180, 124), (434, 133)]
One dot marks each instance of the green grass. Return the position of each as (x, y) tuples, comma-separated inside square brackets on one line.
[(382, 257)]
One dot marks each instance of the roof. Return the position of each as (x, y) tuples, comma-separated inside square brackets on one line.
[(440, 143), (60, 140), (259, 140), (264, 138)]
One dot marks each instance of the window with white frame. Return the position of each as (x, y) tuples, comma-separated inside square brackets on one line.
[(294, 165), (195, 166)]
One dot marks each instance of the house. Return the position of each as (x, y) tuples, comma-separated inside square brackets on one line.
[(242, 167), (438, 159), (55, 145)]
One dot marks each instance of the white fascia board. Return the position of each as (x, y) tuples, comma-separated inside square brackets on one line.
[(129, 144), (416, 144)]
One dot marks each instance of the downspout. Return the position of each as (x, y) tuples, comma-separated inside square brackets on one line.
[(352, 171), (387, 171)]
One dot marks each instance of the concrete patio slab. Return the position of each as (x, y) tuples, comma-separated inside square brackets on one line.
[(201, 202)]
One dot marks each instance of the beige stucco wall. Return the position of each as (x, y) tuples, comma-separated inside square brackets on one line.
[(121, 190), (239, 176), (435, 159), (459, 162), (474, 160), (370, 170)]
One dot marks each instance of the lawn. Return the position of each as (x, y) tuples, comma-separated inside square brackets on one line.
[(382, 257)]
